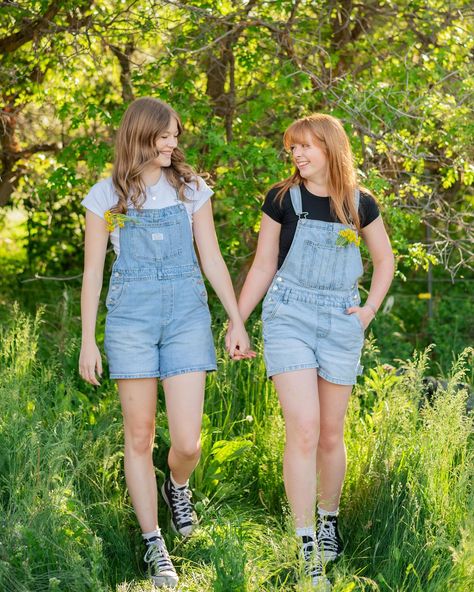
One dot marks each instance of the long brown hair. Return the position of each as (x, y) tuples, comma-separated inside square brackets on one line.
[(327, 132), (135, 148)]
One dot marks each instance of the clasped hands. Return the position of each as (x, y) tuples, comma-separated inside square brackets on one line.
[(237, 342)]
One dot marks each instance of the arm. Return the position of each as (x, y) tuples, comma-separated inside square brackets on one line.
[(216, 271), (263, 268), (378, 244), (95, 248)]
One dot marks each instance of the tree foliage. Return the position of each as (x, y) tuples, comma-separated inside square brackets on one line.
[(398, 74)]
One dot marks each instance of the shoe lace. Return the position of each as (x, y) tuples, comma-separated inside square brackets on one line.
[(182, 504), (327, 534), (157, 555), (313, 564)]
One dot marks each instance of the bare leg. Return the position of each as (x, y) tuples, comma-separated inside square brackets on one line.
[(184, 396), (331, 459), (298, 394), (138, 399)]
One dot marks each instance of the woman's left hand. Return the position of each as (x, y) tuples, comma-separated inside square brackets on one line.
[(237, 342), (365, 314)]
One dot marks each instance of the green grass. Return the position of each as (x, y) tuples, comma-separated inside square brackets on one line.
[(65, 519)]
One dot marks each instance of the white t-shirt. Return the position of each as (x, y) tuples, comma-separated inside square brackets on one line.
[(102, 197)]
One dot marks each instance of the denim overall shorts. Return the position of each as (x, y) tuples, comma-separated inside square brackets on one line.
[(158, 322), (304, 319)]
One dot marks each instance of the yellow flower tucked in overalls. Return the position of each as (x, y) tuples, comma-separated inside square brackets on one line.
[(346, 237), (113, 219)]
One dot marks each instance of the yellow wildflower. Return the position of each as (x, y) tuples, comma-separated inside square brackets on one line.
[(346, 237), (113, 219)]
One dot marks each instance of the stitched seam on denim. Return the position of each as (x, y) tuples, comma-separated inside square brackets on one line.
[(337, 380), (206, 368)]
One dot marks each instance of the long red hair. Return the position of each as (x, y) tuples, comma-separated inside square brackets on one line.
[(327, 132)]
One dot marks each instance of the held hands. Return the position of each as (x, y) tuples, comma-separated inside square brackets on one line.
[(90, 363), (365, 313), (237, 342)]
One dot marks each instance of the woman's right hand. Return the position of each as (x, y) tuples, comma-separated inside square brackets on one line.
[(90, 363), (237, 343)]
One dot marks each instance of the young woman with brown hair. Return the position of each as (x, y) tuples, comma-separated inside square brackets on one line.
[(158, 323), (308, 264)]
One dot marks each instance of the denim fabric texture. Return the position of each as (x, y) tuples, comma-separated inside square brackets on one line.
[(304, 320), (158, 322)]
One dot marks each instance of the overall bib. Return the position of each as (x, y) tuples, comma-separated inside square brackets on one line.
[(158, 322), (304, 319)]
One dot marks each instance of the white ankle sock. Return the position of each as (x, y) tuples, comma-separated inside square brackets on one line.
[(307, 531), (178, 485), (151, 535), (323, 513)]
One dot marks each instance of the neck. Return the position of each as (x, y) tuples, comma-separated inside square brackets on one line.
[(151, 175), (317, 185)]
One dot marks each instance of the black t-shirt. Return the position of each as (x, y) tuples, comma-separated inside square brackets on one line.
[(318, 208)]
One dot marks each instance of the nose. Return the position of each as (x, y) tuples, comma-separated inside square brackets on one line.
[(297, 151)]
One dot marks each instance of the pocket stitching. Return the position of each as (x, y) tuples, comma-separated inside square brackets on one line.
[(112, 301)]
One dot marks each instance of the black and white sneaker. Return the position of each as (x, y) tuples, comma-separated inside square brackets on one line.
[(329, 539), (179, 501), (159, 565), (313, 565)]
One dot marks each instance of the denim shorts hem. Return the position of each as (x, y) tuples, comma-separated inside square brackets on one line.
[(336, 380), (271, 373), (155, 374), (208, 368)]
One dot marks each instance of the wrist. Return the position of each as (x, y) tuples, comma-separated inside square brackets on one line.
[(236, 322), (372, 307)]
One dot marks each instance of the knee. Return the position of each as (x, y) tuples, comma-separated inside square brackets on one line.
[(188, 450), (331, 438), (304, 437), (139, 438)]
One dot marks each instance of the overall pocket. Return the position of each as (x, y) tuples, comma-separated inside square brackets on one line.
[(271, 304), (323, 266), (200, 289), (157, 242), (114, 295)]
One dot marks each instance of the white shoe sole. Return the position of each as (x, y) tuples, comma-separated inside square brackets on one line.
[(168, 581)]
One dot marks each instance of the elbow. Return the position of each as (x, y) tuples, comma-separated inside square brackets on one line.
[(386, 263)]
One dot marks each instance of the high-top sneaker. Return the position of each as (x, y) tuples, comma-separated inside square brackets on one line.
[(179, 501), (329, 539), (159, 565), (313, 565)]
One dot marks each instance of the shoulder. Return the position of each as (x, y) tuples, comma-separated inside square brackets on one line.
[(197, 189), (368, 208), (101, 197), (274, 207), (271, 197), (367, 199), (102, 187)]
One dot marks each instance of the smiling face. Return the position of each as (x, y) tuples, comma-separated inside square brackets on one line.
[(309, 157), (166, 142)]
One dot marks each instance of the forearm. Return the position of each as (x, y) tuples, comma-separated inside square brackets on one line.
[(217, 273), (90, 294), (254, 288), (380, 283)]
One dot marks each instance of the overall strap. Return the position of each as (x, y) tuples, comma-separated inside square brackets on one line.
[(295, 194)]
